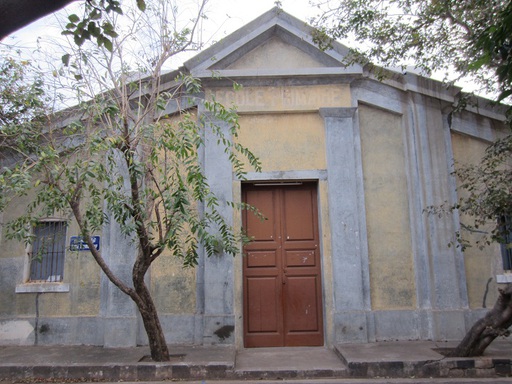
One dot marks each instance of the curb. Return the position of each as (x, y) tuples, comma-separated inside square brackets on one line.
[(480, 367), (109, 372), (446, 368)]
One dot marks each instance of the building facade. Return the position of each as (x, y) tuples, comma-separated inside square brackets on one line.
[(347, 253)]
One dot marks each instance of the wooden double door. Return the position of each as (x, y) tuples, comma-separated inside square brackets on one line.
[(282, 278)]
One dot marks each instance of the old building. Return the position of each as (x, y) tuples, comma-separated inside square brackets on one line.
[(347, 253)]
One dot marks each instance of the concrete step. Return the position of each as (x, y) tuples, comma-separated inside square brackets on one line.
[(288, 363)]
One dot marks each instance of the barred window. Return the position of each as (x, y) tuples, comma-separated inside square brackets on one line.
[(506, 245), (48, 250)]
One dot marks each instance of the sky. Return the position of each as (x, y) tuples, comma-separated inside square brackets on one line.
[(224, 17)]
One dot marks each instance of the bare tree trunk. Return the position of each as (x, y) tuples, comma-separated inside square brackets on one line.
[(495, 323), (149, 314), (156, 338)]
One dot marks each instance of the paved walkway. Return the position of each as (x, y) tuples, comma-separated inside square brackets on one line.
[(385, 359)]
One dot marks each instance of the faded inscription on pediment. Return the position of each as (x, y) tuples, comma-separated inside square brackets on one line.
[(299, 98)]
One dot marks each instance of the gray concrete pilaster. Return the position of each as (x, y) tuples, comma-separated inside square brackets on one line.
[(419, 239), (348, 225), (218, 284), (452, 193), (118, 311), (435, 184)]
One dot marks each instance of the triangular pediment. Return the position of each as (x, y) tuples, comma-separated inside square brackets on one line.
[(275, 44), (275, 53)]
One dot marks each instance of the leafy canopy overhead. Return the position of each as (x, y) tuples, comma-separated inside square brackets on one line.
[(94, 23), (458, 38)]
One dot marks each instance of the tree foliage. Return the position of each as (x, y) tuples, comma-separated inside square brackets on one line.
[(457, 38), (21, 100), (94, 22), (494, 47), (489, 191), (131, 144)]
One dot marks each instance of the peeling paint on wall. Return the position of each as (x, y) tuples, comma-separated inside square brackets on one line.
[(15, 332)]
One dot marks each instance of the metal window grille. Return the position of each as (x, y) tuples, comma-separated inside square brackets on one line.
[(48, 250), (506, 245)]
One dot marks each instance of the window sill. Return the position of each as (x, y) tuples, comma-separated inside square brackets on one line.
[(504, 279), (42, 287)]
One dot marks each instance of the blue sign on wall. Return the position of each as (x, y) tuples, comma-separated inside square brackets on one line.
[(77, 243)]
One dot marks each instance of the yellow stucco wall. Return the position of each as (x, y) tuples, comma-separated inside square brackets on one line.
[(80, 271), (481, 265), (288, 118), (326, 258), (173, 286), (285, 141), (387, 211)]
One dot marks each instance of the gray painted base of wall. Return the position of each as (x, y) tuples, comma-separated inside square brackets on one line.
[(450, 325), (178, 329), (65, 330), (120, 332), (349, 327), (371, 326), (108, 332)]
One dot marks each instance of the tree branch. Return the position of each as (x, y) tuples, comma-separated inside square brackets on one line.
[(75, 207)]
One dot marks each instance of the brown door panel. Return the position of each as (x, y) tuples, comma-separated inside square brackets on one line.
[(300, 258), (261, 259), (262, 311), (282, 277), (263, 305), (301, 306), (299, 213), (256, 228)]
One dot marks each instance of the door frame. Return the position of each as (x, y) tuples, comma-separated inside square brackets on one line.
[(320, 182)]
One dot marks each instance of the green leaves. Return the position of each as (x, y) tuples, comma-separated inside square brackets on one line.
[(141, 4), (65, 59), (106, 42), (73, 18), (91, 26), (455, 38)]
